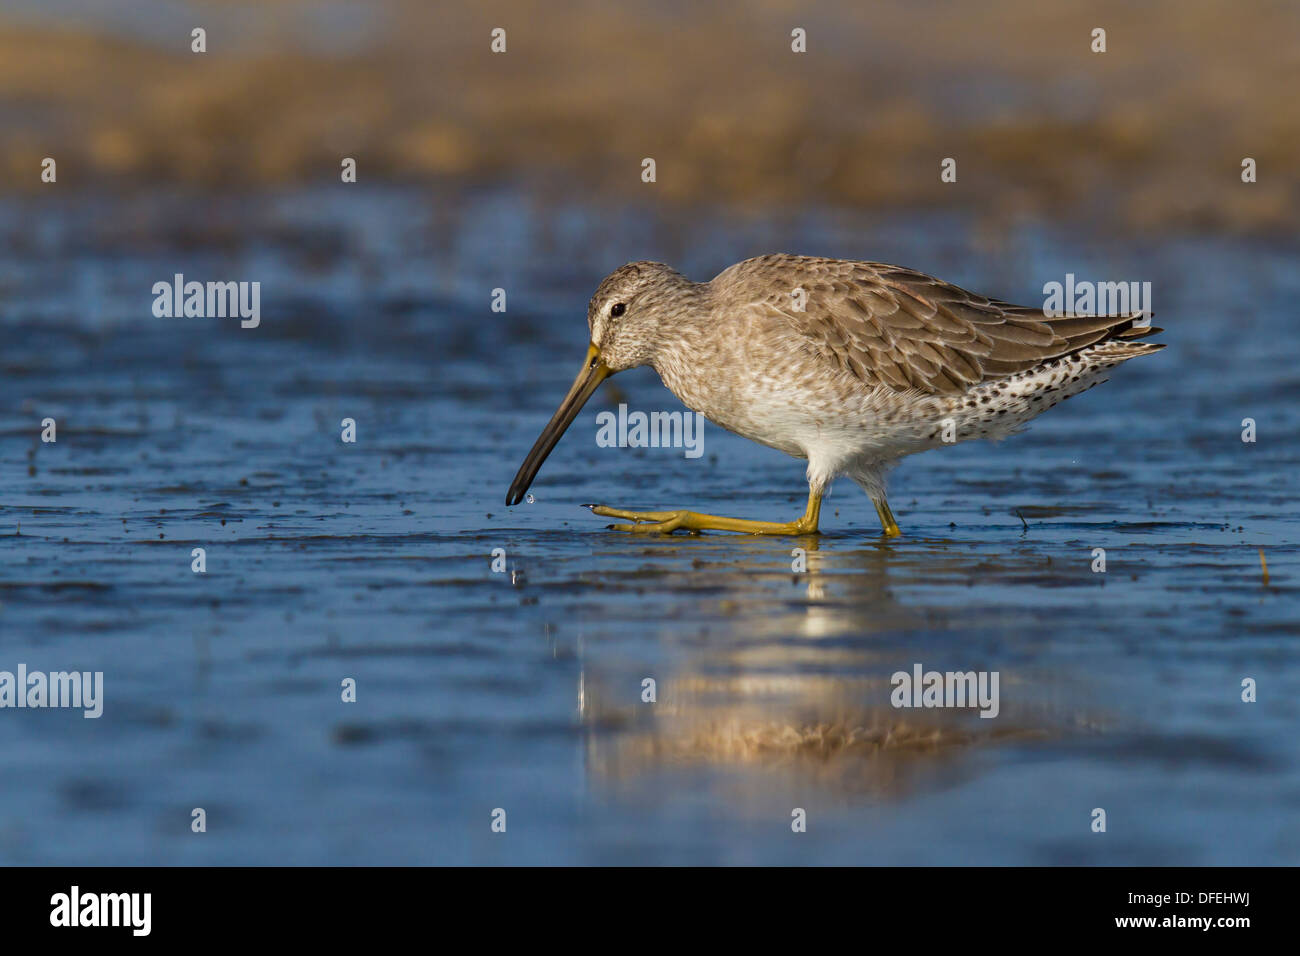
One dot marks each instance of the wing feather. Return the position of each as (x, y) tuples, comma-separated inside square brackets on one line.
[(891, 326)]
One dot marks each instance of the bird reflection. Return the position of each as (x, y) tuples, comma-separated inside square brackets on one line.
[(790, 674)]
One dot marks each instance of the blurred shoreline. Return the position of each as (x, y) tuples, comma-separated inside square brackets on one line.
[(1148, 137)]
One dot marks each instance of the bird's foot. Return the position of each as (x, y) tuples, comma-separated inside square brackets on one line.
[(666, 522)]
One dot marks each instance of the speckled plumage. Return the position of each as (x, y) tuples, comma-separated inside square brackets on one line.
[(879, 364)]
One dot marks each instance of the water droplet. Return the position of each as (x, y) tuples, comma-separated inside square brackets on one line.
[(531, 500)]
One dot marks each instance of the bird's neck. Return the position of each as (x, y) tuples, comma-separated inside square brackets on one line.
[(687, 340)]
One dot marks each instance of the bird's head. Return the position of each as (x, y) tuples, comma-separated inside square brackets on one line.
[(624, 315)]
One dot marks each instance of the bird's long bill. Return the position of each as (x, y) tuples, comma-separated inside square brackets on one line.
[(594, 371)]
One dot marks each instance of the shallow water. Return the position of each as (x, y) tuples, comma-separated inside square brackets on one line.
[(522, 690)]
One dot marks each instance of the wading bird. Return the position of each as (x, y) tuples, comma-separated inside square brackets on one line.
[(850, 365)]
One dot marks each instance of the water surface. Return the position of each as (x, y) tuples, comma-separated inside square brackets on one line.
[(522, 690)]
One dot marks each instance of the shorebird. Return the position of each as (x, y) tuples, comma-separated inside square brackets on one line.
[(850, 365)]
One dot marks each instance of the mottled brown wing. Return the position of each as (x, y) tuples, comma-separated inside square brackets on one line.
[(895, 327)]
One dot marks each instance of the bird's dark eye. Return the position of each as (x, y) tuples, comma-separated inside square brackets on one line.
[(617, 309)]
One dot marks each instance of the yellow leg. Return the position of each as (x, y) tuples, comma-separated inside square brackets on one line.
[(887, 521), (666, 522)]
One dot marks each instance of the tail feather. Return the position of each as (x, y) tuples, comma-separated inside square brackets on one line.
[(1114, 330), (1123, 349)]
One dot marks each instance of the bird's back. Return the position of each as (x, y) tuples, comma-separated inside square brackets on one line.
[(893, 327)]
